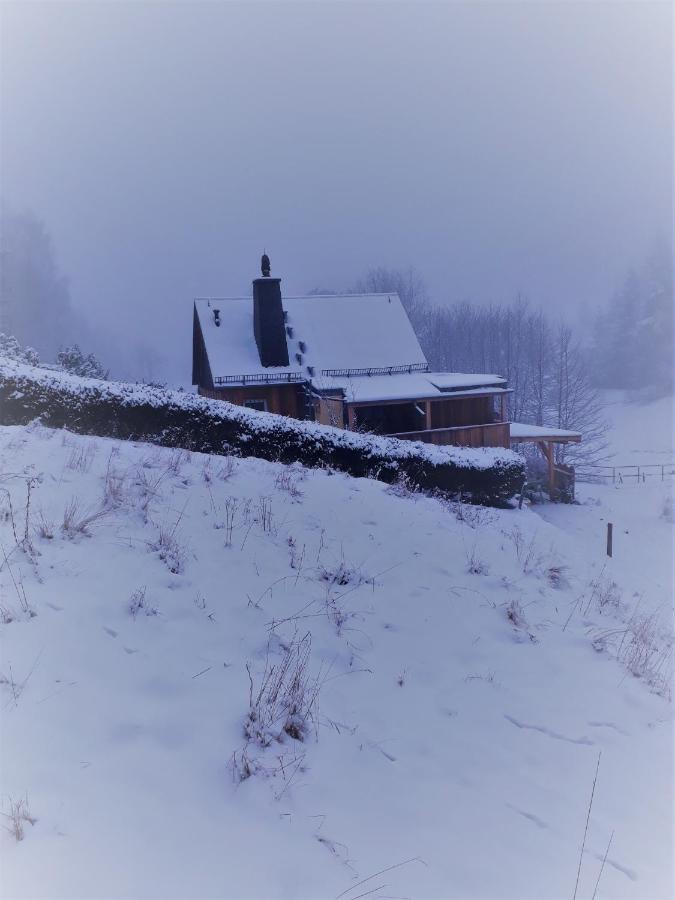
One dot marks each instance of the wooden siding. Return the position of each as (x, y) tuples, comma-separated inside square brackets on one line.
[(496, 434), (283, 399), (329, 411), (462, 411)]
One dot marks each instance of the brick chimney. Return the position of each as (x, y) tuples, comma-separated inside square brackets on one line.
[(268, 318)]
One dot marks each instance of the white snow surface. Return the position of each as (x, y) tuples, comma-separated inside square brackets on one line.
[(641, 433), (453, 747)]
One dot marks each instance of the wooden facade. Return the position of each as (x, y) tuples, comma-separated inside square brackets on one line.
[(283, 399), (458, 421), (453, 413), (461, 421), (495, 434), (330, 411)]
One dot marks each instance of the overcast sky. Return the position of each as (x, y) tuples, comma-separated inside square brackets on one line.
[(497, 147)]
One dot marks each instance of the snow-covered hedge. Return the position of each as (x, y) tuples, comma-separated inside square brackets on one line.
[(178, 419)]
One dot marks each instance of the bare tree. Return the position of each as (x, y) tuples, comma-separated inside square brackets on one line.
[(574, 403), (543, 362)]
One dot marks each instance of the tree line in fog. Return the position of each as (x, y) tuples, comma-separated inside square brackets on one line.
[(555, 371)]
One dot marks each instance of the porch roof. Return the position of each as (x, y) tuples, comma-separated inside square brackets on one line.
[(409, 386), (520, 432)]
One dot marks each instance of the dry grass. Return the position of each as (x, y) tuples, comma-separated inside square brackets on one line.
[(644, 648), (19, 590), (474, 564), (287, 480), (264, 516), (18, 816), (526, 551), (404, 487), (342, 574), (82, 457), (470, 514), (286, 701), (170, 550), (138, 603), (45, 527), (78, 520)]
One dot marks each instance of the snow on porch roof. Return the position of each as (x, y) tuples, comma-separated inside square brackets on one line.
[(407, 386), (344, 331), (520, 431)]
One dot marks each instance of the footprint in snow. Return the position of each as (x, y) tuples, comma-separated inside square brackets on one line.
[(549, 733), (129, 650), (629, 873), (608, 725), (54, 606), (110, 631), (529, 816)]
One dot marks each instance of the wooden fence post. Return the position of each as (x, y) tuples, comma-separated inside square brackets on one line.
[(610, 529)]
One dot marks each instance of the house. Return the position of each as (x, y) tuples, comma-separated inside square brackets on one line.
[(352, 361)]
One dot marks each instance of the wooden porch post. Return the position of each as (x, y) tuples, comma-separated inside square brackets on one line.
[(427, 415), (546, 448), (551, 468), (502, 407)]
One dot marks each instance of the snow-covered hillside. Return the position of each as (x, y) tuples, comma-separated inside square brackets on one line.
[(640, 433), (426, 687)]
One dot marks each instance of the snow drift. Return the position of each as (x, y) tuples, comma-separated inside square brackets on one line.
[(227, 677)]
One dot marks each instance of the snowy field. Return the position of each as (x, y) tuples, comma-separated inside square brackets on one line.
[(229, 678)]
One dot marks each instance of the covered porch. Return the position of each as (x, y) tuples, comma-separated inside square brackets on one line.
[(560, 477), (472, 418)]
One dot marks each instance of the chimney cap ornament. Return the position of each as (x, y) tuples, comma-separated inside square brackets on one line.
[(265, 265)]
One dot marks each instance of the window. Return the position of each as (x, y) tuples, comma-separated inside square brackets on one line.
[(256, 404)]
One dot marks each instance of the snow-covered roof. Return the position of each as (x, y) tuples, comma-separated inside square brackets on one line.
[(411, 386), (450, 381), (352, 331), (334, 332), (344, 342), (521, 431), (231, 347)]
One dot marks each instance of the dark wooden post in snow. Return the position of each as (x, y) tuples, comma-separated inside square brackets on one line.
[(610, 529)]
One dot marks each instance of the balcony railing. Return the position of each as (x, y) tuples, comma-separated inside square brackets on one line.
[(264, 378), (376, 370)]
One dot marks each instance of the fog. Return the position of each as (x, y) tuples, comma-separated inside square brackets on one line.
[(497, 148)]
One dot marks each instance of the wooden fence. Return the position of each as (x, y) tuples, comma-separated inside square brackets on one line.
[(637, 474)]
